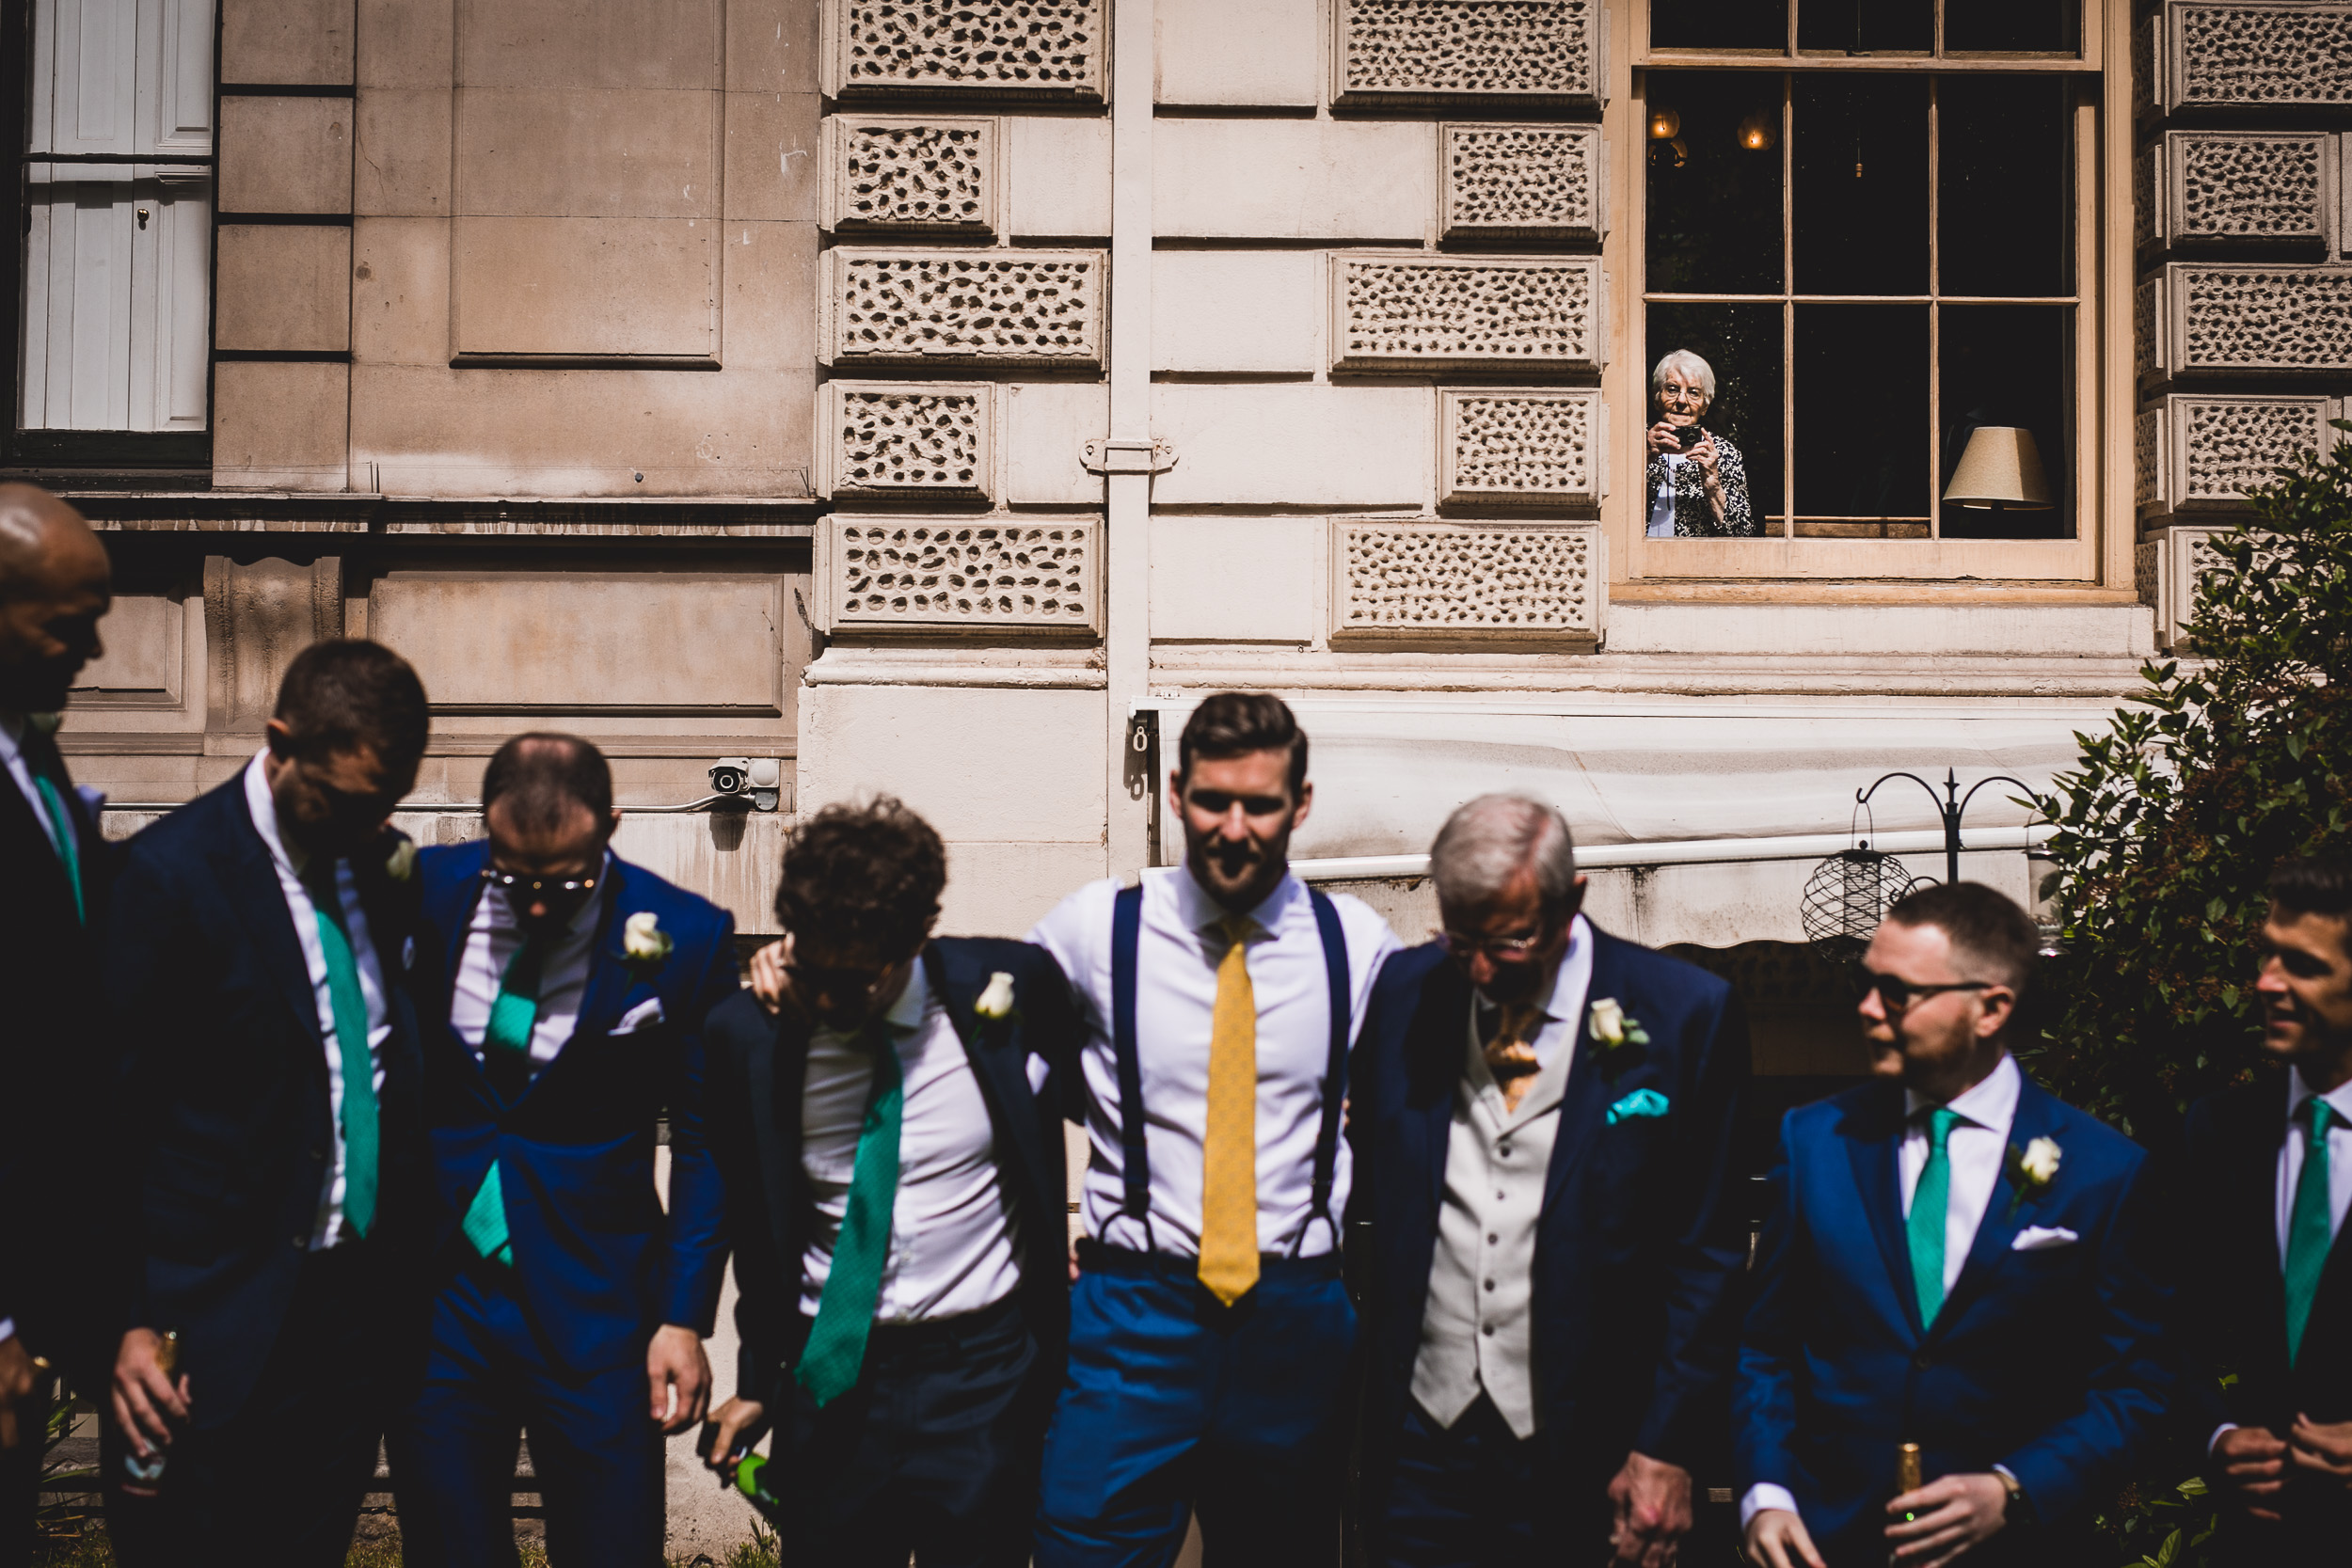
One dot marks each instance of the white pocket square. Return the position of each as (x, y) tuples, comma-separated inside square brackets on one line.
[(2037, 1237), (643, 1016), (1037, 1070)]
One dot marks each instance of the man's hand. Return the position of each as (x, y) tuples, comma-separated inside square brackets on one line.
[(676, 1365), (1777, 1539), (2253, 1465), (1652, 1501), (19, 1377), (146, 1401), (1950, 1515), (768, 982), (731, 1419), (2322, 1449)]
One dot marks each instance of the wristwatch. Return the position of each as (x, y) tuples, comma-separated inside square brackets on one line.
[(2020, 1506)]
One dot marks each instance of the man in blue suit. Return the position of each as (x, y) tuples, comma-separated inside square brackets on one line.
[(1954, 1258), (1543, 1114), (892, 1144), (270, 1113), (566, 1016)]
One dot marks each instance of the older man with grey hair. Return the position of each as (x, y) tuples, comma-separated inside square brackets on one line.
[(1543, 1114)]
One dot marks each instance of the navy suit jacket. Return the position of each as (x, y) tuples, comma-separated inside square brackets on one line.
[(220, 1066), (599, 1263), (2049, 1362), (1639, 1244), (758, 1066)]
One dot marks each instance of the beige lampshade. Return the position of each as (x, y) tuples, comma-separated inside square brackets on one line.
[(2001, 469)]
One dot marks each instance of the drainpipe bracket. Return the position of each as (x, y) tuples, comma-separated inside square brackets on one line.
[(1104, 455)]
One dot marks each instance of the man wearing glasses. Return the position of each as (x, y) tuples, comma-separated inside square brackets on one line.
[(1954, 1258), (566, 1012), (1544, 1117)]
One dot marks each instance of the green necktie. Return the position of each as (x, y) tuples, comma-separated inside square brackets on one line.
[(506, 1058), (58, 819), (2308, 1238), (1929, 1202), (837, 1341), (350, 1039)]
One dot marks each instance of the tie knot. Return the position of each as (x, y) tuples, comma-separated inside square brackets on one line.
[(2323, 1118), (1940, 1123), (1237, 929)]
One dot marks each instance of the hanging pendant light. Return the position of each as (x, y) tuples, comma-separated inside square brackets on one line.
[(1757, 132), (1664, 125)]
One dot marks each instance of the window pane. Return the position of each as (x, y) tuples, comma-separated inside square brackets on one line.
[(1860, 213), (1714, 202), (1741, 344), (2001, 163), (1861, 420), (2048, 26), (1867, 26), (2007, 365), (1746, 25)]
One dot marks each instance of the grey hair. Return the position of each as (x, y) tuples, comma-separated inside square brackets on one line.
[(1691, 366), (1486, 844)]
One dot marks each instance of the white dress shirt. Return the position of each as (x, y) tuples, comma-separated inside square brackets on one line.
[(491, 940), (1976, 1148), (12, 757), (1661, 510), (291, 860), (1177, 952), (953, 1248)]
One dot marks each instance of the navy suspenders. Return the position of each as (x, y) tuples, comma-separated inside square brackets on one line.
[(1126, 939)]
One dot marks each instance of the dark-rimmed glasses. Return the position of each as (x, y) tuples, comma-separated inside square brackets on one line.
[(1897, 993), (1502, 950), (532, 890)]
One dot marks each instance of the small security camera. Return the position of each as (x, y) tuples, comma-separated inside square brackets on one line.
[(730, 775), (761, 778)]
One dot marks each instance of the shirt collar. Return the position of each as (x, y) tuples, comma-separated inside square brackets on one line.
[(2297, 1092), (1567, 979), (11, 735), (263, 806), (1991, 1102), (1199, 912), (906, 1014)]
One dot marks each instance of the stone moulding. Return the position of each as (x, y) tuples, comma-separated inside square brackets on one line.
[(914, 174), (2203, 454), (1404, 580), (2222, 187), (1522, 446), (921, 440), (976, 307), (1521, 181), (2220, 319), (2252, 55), (1539, 51), (961, 575), (1021, 50), (2165, 566), (1416, 311)]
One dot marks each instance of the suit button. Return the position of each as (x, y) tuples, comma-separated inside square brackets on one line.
[(301, 1242), (1923, 1361), (318, 1154)]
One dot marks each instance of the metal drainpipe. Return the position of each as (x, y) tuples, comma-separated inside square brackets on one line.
[(1127, 522)]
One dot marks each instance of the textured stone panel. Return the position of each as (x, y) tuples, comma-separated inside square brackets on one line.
[(1516, 446), (1438, 50), (898, 438), (1008, 48), (1418, 579), (923, 175), (2215, 319), (936, 574), (2244, 185), (2166, 568), (973, 307), (1394, 313), (2148, 458), (2205, 452), (2245, 56), (1533, 181)]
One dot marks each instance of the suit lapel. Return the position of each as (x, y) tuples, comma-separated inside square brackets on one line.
[(1440, 1040), (2005, 1214), (33, 850), (249, 877), (1873, 1149), (1001, 1072), (775, 1070), (1586, 1104), (609, 980)]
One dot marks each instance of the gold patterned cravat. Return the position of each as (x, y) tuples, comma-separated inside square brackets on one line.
[(1229, 1153), (1511, 1053)]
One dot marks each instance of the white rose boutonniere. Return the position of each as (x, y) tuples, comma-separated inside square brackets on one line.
[(2032, 1169), (400, 864), (996, 1000), (642, 940), (1615, 1031)]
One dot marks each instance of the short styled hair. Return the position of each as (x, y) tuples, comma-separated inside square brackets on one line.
[(864, 876), (1992, 937), (542, 776), (1692, 368), (1486, 844), (1235, 724), (347, 692), (2321, 884)]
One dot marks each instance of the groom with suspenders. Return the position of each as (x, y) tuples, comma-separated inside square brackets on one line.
[(1211, 1340)]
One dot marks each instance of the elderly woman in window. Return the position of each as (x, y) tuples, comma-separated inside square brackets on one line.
[(1696, 484)]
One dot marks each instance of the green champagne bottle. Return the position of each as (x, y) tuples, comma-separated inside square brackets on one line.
[(747, 1480)]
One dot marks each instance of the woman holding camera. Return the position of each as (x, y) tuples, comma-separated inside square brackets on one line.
[(1697, 483)]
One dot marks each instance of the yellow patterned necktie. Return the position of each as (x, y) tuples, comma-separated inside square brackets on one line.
[(1511, 1054), (1228, 1154)]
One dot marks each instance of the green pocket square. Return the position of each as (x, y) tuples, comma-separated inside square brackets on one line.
[(1640, 1102)]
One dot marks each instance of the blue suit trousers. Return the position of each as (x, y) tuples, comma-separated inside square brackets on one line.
[(596, 1452), (1174, 1404)]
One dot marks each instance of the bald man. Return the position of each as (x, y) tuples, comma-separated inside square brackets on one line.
[(55, 585)]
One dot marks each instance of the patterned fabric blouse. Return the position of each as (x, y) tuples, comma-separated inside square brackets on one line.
[(1694, 516)]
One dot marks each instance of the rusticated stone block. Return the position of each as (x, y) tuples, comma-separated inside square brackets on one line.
[(2255, 55), (921, 440), (2205, 452), (1019, 49), (1516, 445), (961, 307), (2217, 319), (1443, 579), (910, 174), (1411, 312), (2166, 568), (1521, 181), (2251, 186), (960, 576), (1436, 51)]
